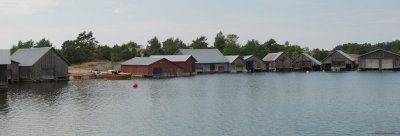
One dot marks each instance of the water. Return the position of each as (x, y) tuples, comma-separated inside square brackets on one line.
[(347, 103)]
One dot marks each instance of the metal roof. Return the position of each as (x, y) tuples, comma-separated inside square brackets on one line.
[(272, 56), (246, 57), (29, 56), (205, 55), (5, 58), (379, 50), (346, 55), (141, 61), (173, 58), (312, 58), (232, 58)]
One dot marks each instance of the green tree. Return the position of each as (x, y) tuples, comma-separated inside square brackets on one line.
[(82, 49), (21, 45), (272, 46), (253, 47), (297, 51), (171, 45), (154, 47), (43, 43), (320, 54), (232, 46), (200, 43), (103, 52), (219, 42)]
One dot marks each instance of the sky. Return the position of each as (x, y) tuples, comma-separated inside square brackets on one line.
[(308, 23)]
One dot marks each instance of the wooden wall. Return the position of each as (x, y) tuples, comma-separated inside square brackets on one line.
[(366, 61), (303, 61), (3, 75), (239, 65), (259, 65), (13, 72), (49, 67), (337, 60), (283, 62)]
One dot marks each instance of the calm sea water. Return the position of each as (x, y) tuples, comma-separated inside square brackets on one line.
[(347, 103)]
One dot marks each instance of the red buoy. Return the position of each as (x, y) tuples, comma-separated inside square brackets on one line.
[(135, 85), (323, 71)]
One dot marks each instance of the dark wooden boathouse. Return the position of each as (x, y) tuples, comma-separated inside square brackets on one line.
[(236, 63), (187, 62), (151, 67), (41, 64), (8, 69), (278, 62), (254, 63), (208, 60), (379, 60), (338, 61), (306, 62)]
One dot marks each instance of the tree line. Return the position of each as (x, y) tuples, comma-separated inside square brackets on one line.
[(86, 48)]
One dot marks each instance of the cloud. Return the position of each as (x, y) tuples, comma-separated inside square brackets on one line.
[(24, 7)]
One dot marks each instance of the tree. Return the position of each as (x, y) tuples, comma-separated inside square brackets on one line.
[(82, 49), (253, 47), (43, 43), (219, 42), (21, 45), (232, 47), (297, 51), (319, 54), (103, 52), (171, 45), (200, 43), (272, 46), (154, 47)]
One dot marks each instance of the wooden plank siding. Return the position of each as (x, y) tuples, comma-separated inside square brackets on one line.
[(337, 61), (49, 67), (13, 72), (3, 75), (303, 62), (168, 69), (282, 63), (258, 64), (239, 65), (379, 60)]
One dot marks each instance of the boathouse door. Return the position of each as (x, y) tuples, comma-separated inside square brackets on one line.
[(157, 71)]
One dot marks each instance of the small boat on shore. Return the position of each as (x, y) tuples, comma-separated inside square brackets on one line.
[(117, 76)]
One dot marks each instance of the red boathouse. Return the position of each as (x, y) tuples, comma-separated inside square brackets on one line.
[(187, 62), (155, 67)]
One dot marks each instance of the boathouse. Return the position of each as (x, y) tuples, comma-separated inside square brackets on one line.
[(278, 62), (236, 63), (187, 62), (306, 62), (254, 63), (8, 68), (41, 64), (151, 67), (379, 60), (5, 60), (208, 60), (338, 61)]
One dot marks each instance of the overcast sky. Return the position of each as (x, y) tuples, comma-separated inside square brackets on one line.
[(308, 23)]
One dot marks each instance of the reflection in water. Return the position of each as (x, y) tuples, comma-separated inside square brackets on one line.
[(348, 103), (3, 102)]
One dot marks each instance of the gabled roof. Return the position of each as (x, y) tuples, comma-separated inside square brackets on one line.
[(246, 57), (312, 58), (342, 53), (272, 56), (174, 58), (29, 56), (377, 51), (141, 61), (232, 58), (346, 55), (205, 55), (5, 58)]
